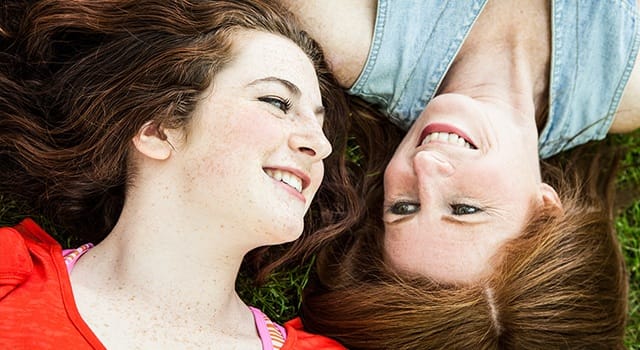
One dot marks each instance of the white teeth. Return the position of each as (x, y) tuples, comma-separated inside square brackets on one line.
[(286, 177), (292, 181), (447, 137)]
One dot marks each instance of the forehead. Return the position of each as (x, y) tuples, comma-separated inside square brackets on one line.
[(261, 53)]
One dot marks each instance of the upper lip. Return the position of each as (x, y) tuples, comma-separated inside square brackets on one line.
[(303, 176), (439, 127)]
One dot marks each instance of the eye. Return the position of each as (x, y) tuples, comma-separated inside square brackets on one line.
[(404, 208), (464, 209), (281, 103)]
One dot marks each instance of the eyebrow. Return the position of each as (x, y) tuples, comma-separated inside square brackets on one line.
[(293, 89)]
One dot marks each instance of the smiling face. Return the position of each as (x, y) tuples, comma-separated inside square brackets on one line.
[(461, 183), (252, 157)]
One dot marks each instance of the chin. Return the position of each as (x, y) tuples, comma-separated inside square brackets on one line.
[(285, 234), (293, 236)]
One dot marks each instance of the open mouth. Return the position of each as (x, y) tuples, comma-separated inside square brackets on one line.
[(448, 137), (286, 177), (445, 134)]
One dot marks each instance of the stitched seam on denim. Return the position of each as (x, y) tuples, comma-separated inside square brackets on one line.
[(453, 50), (553, 141), (381, 18), (439, 73)]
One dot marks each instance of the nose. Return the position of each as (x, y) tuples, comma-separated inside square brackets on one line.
[(430, 170), (430, 164), (418, 177), (311, 140), (399, 177)]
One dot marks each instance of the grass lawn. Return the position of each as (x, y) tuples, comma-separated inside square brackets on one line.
[(280, 296), (628, 228)]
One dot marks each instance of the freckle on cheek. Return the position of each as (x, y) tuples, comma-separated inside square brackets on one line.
[(212, 167)]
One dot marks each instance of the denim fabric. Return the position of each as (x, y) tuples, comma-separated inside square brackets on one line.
[(414, 43), (595, 44), (594, 48)]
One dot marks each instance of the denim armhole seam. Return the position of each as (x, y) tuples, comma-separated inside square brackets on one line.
[(544, 147), (631, 61), (452, 53), (381, 18)]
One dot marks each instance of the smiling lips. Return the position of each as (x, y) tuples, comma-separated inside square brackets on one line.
[(447, 134), (286, 177)]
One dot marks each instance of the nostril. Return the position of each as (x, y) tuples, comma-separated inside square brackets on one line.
[(308, 151)]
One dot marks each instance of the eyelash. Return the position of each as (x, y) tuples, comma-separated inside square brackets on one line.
[(400, 208), (456, 207), (394, 208), (284, 104)]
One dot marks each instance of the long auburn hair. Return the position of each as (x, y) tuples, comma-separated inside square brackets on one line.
[(78, 79), (561, 284)]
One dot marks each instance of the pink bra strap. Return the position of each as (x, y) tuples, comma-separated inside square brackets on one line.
[(71, 256), (272, 334)]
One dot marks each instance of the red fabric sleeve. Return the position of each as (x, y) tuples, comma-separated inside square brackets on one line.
[(299, 339), (37, 310)]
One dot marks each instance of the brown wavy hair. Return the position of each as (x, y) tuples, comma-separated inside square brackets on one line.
[(561, 284), (78, 79)]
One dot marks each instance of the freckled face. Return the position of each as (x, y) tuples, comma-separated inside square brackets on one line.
[(461, 183), (254, 150)]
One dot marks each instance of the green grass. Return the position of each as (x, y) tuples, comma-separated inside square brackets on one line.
[(628, 228), (279, 297)]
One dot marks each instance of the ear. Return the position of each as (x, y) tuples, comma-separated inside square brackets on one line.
[(152, 142), (550, 198)]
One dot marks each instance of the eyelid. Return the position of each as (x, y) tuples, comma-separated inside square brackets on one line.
[(271, 98), (389, 207), (483, 214), (454, 206)]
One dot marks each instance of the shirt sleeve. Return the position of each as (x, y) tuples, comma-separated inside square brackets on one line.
[(299, 339)]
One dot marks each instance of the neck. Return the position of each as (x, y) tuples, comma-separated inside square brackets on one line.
[(160, 257), (506, 57), (505, 76)]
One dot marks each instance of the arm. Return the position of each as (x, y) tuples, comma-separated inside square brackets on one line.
[(627, 117), (344, 29)]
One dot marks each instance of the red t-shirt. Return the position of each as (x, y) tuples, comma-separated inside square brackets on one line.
[(298, 339), (37, 309)]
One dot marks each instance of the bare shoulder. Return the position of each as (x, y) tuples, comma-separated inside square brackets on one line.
[(344, 29), (627, 117)]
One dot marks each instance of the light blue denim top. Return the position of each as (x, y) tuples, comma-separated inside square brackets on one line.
[(594, 46)]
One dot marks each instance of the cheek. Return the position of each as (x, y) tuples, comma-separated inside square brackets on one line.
[(488, 177), (248, 134), (317, 175), (504, 186)]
